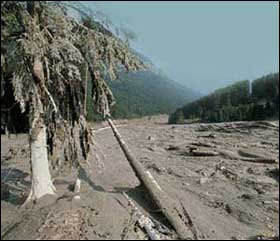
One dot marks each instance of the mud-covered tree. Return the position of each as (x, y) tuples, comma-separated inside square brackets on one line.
[(47, 59)]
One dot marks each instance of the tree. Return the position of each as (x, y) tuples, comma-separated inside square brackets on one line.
[(177, 117), (268, 109), (235, 103), (180, 117), (46, 56)]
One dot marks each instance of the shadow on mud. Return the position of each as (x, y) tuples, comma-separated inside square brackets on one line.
[(13, 185), (141, 197), (84, 176), (274, 173)]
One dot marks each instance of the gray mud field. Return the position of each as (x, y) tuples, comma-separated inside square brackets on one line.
[(225, 176)]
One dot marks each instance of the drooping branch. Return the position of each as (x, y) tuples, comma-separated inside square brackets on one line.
[(50, 58)]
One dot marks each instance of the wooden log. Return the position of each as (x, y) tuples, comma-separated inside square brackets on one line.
[(231, 155), (107, 127), (208, 136), (168, 206), (144, 221), (260, 160), (202, 144), (204, 153)]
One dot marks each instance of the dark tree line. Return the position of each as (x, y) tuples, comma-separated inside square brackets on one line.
[(143, 93), (235, 103)]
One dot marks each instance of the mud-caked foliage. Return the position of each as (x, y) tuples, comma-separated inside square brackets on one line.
[(47, 58)]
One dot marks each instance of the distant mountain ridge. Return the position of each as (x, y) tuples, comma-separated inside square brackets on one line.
[(145, 93)]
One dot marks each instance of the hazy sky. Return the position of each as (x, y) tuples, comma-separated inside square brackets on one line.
[(204, 45)]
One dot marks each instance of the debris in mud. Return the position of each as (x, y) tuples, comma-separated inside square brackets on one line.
[(64, 225), (226, 171), (203, 180), (252, 170), (203, 153), (155, 149), (203, 144), (156, 168), (227, 199), (237, 127), (14, 152), (151, 138), (212, 136), (228, 208), (274, 173), (174, 173), (265, 237), (267, 143), (247, 196), (144, 221), (172, 148), (236, 156)]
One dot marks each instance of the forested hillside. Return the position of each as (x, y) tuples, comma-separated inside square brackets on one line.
[(144, 93), (235, 103)]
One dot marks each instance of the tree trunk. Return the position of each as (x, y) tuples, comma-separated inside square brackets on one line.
[(41, 178), (7, 133), (169, 207)]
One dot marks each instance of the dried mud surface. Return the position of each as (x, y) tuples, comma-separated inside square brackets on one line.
[(225, 175)]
